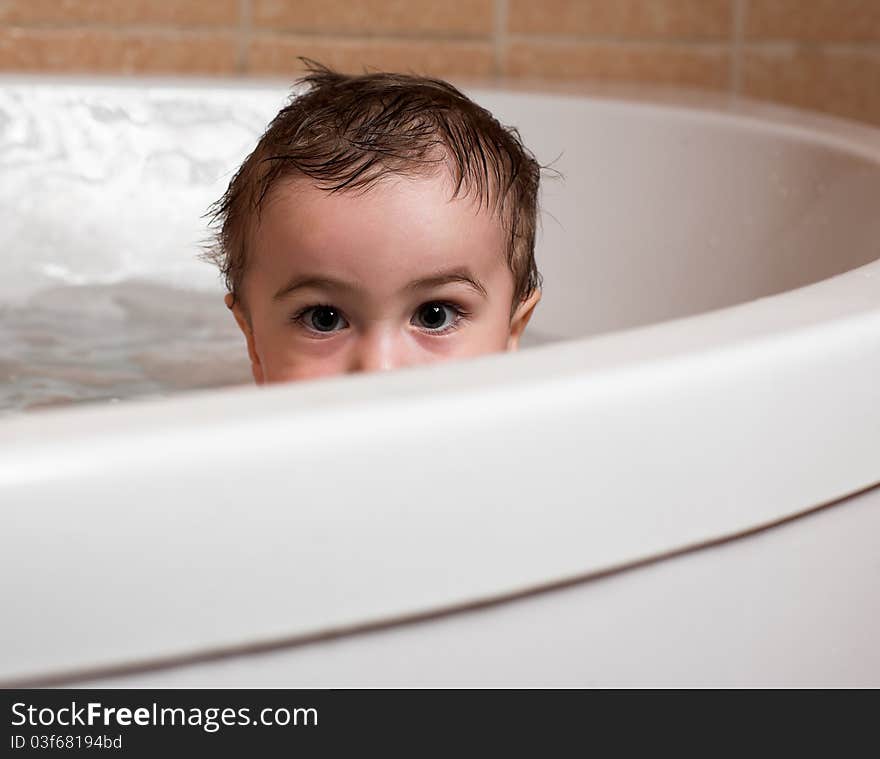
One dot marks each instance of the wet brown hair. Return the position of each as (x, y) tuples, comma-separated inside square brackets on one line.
[(347, 132)]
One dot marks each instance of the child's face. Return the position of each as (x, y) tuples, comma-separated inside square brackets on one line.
[(396, 276)]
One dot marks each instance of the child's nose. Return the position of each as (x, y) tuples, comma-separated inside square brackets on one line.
[(377, 350)]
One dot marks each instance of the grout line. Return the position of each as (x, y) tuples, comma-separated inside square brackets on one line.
[(244, 35), (245, 24), (793, 45), (739, 10), (77, 26), (500, 40), (583, 39), (719, 44), (381, 36)]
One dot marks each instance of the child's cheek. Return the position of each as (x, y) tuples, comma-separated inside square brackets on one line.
[(316, 358)]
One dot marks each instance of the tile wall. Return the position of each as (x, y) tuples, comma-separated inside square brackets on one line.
[(818, 54)]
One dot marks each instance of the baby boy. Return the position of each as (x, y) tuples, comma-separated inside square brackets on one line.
[(383, 220)]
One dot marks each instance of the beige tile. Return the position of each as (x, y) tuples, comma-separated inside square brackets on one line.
[(110, 51), (684, 65), (813, 20), (841, 83), (429, 17), (119, 12), (277, 54), (628, 19)]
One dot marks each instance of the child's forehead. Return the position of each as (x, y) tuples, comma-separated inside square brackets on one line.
[(439, 188), (396, 208), (397, 227)]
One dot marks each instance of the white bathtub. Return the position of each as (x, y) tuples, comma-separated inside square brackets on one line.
[(682, 491)]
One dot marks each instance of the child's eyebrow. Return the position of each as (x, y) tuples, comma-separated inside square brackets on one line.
[(462, 275)]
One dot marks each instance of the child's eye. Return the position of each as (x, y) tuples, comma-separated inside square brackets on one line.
[(321, 318), (434, 317), (438, 318)]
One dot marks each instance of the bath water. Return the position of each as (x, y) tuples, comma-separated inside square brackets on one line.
[(107, 343), (73, 344)]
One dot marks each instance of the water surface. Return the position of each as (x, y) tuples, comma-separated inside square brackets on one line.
[(74, 344)]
